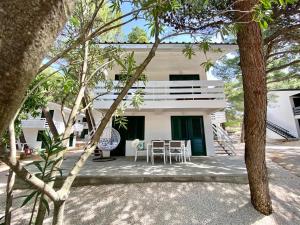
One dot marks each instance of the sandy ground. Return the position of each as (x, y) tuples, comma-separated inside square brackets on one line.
[(182, 203)]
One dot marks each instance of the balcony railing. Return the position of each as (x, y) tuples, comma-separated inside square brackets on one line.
[(168, 94), (39, 123), (296, 111)]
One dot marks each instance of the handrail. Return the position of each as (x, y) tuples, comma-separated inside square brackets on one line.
[(224, 140), (279, 130), (167, 90)]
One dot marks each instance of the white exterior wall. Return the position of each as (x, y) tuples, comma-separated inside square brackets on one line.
[(280, 112), (31, 133), (158, 126), (169, 59)]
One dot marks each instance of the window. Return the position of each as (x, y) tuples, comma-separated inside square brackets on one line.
[(184, 77), (40, 137), (84, 119)]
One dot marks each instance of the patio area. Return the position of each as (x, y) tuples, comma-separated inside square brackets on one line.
[(225, 169)]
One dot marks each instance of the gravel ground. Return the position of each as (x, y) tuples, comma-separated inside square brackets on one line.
[(177, 203)]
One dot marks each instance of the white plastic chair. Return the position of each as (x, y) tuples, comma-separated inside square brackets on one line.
[(139, 148), (176, 149), (158, 148), (186, 152)]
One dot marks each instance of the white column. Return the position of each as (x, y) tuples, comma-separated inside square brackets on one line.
[(209, 140)]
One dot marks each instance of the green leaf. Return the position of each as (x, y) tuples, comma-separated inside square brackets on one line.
[(74, 21), (38, 165), (28, 198), (188, 51)]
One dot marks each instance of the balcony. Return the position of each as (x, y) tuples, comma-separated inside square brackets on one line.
[(194, 94), (39, 123)]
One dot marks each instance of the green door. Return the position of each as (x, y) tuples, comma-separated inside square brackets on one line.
[(135, 129), (190, 128)]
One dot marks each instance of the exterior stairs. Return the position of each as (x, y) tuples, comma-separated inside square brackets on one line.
[(223, 143), (279, 130)]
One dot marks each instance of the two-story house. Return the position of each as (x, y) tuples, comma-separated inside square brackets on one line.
[(178, 98)]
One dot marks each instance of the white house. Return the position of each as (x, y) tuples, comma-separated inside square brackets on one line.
[(178, 98), (33, 126), (283, 116)]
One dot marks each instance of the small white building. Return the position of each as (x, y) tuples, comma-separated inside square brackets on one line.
[(283, 115), (178, 99), (34, 126)]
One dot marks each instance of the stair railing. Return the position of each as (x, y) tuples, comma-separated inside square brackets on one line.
[(224, 140)]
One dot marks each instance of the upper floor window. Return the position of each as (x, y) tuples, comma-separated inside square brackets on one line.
[(174, 77)]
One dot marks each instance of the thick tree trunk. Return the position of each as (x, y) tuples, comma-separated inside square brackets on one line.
[(253, 68), (50, 122), (11, 177), (27, 30)]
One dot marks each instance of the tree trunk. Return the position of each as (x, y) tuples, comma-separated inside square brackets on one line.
[(253, 68), (50, 122), (58, 214), (88, 113), (71, 120), (27, 30), (11, 177), (9, 196)]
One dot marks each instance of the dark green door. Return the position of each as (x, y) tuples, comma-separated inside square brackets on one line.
[(190, 128), (135, 129)]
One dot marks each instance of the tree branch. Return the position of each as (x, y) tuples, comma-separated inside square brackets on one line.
[(283, 66), (92, 143), (288, 77), (31, 179)]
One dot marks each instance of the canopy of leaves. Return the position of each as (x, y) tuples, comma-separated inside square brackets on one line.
[(138, 35)]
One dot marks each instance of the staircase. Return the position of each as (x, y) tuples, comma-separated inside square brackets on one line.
[(225, 143), (279, 130)]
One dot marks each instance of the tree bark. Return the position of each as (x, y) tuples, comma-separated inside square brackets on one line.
[(88, 113), (250, 42), (27, 30), (9, 196), (50, 122), (11, 176), (58, 214)]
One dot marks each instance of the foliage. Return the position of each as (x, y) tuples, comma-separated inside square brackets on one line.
[(138, 35), (45, 167)]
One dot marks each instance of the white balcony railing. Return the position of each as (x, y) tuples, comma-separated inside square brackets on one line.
[(169, 94), (39, 123)]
